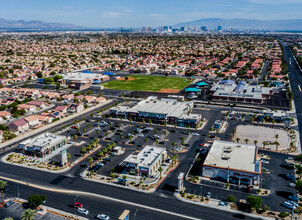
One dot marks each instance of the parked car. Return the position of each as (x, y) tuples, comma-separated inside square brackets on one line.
[(292, 185), (222, 203), (208, 194), (107, 159), (289, 205), (141, 135), (264, 161), (291, 177), (294, 198), (113, 154), (195, 134), (8, 204), (83, 211), (102, 217), (265, 169)]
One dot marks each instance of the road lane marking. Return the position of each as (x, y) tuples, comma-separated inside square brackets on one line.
[(100, 196)]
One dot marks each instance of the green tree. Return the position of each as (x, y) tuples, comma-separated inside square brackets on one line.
[(100, 154), (75, 137), (299, 186), (3, 185), (8, 218), (255, 142), (277, 145), (28, 214), (36, 200), (90, 161), (160, 170), (254, 202), (68, 157), (264, 143), (246, 141), (88, 147), (146, 140), (83, 150), (238, 139)]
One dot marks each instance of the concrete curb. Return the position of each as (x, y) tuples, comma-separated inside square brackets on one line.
[(178, 196)]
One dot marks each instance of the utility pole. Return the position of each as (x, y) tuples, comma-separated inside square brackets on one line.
[(75, 208)]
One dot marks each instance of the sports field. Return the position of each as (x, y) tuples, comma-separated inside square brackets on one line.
[(149, 83)]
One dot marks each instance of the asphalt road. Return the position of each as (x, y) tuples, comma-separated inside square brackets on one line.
[(295, 77)]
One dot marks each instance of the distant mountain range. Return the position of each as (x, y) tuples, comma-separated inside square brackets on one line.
[(36, 24), (272, 25)]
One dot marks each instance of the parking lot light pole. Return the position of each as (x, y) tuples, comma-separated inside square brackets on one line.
[(135, 214)]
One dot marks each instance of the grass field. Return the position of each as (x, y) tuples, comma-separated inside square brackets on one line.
[(148, 83)]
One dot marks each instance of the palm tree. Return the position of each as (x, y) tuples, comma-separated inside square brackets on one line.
[(273, 121), (262, 121), (88, 147), (264, 143), (175, 127), (246, 140), (252, 119), (277, 145), (28, 214), (156, 142), (84, 130), (165, 132), (238, 139), (8, 218), (234, 132), (68, 157), (83, 150), (105, 150), (97, 132), (100, 154), (150, 121), (90, 160), (255, 142), (146, 140), (160, 170), (89, 126), (173, 144), (3, 185), (276, 136), (143, 122), (175, 157)]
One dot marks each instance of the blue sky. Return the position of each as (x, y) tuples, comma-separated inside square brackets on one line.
[(137, 13)]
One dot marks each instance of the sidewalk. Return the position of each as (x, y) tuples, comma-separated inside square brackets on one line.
[(214, 204)]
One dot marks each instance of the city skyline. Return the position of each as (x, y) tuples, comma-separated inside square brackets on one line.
[(99, 14)]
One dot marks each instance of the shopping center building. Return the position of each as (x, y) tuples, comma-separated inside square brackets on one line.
[(146, 162), (164, 110), (42, 145), (233, 162)]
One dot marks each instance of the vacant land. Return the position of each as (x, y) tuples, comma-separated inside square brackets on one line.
[(263, 134), (148, 83)]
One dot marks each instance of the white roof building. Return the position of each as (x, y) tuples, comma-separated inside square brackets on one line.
[(148, 160), (232, 162)]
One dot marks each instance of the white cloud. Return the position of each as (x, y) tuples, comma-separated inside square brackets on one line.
[(111, 14), (155, 15)]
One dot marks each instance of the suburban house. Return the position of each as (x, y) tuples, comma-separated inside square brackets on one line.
[(32, 120), (19, 126), (75, 108), (38, 104), (62, 108)]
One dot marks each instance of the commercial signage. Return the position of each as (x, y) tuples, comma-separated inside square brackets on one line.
[(63, 157)]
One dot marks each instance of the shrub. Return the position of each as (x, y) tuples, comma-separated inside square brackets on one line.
[(283, 214), (231, 198)]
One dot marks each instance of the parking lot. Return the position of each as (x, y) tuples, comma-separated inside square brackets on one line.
[(15, 211)]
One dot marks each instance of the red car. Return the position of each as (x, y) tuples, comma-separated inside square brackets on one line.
[(76, 205)]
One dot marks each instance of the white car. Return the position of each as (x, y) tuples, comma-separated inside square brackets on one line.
[(83, 211), (195, 134), (141, 135), (292, 185), (102, 217), (264, 161)]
